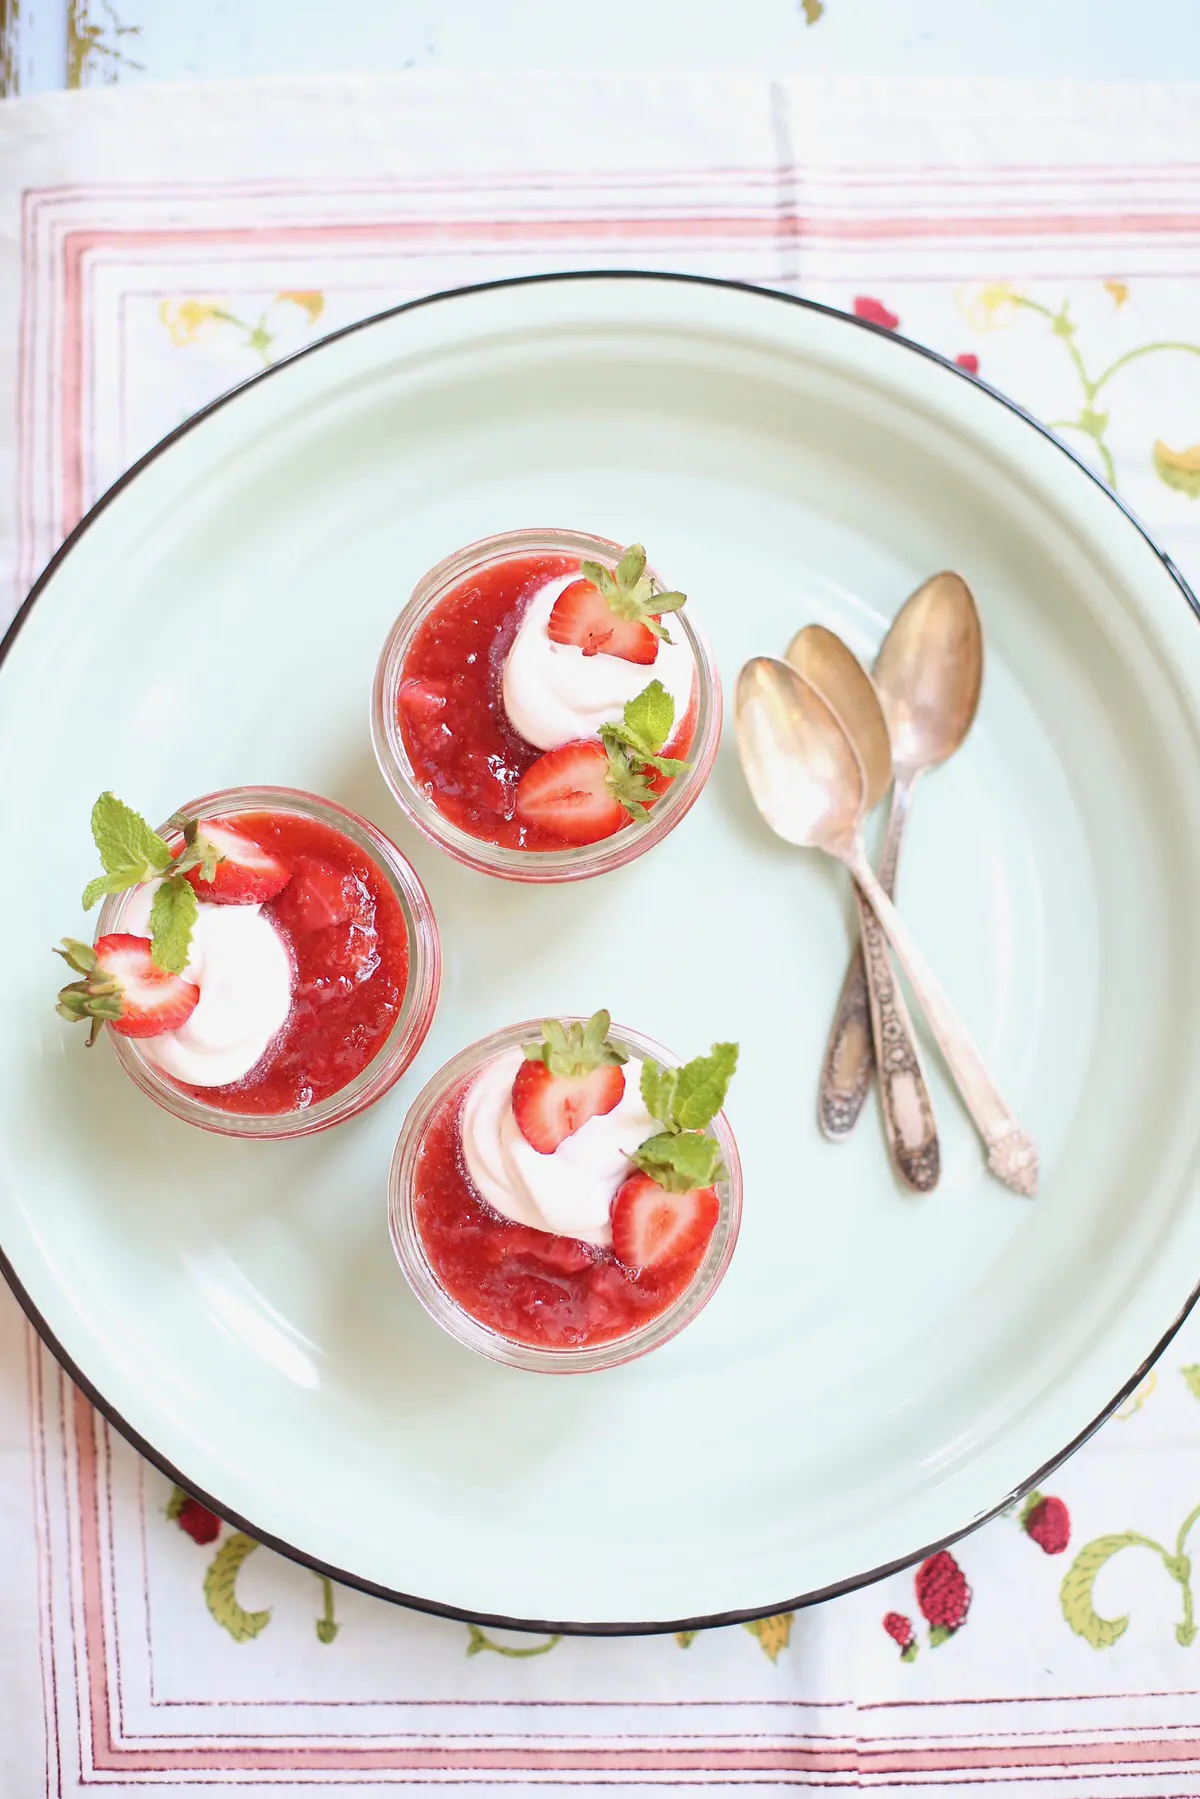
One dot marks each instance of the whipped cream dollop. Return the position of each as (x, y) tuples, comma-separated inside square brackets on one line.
[(244, 972), (554, 694), (569, 1193)]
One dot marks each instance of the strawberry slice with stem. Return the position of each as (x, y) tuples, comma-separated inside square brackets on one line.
[(124, 987), (242, 872), (583, 617), (572, 1075), (653, 1228), (614, 611), (581, 792)]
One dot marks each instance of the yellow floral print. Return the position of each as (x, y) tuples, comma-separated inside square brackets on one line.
[(1179, 469), (1138, 1398), (312, 303), (995, 305), (189, 321), (990, 307), (192, 321)]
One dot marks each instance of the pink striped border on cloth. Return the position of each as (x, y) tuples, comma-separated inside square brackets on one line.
[(159, 246)]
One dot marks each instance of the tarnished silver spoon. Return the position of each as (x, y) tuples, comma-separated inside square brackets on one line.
[(880, 1017), (928, 677), (808, 783)]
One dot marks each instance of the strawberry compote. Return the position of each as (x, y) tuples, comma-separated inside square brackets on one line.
[(550, 1292), (521, 1211), (313, 956), (345, 933), (466, 755)]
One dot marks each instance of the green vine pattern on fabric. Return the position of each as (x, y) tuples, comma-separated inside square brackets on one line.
[(479, 1641), (997, 303), (220, 1584), (191, 321), (1076, 1593), (227, 1610), (221, 1575)]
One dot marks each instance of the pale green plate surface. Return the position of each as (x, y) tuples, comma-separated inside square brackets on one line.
[(878, 1371)]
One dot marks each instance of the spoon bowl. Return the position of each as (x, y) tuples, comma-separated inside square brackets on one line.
[(821, 658), (808, 782), (803, 770), (929, 672)]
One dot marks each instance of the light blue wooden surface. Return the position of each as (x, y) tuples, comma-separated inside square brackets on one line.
[(173, 40)]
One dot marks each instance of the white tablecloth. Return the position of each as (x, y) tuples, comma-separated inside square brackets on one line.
[(157, 246)]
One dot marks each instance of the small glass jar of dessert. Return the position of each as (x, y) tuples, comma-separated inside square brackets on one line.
[(544, 709), (267, 965), (565, 1195)]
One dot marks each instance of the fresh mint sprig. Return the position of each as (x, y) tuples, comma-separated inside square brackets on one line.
[(685, 1100), (635, 745), (629, 590), (131, 853)]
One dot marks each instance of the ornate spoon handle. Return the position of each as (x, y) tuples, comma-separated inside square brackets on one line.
[(1012, 1156), (907, 1109), (859, 1028)]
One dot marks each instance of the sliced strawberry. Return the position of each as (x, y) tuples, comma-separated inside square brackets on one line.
[(566, 793), (421, 707), (563, 1255), (583, 616), (319, 895), (124, 987), (652, 1228), (245, 874), (551, 1107)]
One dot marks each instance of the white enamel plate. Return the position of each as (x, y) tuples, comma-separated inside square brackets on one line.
[(878, 1372)]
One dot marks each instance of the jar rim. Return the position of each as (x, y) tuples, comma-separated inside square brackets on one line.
[(577, 861), (484, 1339), (411, 1024)]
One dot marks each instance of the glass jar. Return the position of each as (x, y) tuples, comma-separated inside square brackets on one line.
[(574, 862), (447, 1088), (417, 1007)]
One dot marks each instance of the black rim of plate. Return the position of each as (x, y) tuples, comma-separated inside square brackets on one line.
[(561, 1627)]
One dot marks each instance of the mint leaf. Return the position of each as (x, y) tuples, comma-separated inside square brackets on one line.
[(680, 1161), (620, 742), (636, 741), (126, 842), (702, 1086), (649, 717), (117, 882), (658, 1091), (172, 916)]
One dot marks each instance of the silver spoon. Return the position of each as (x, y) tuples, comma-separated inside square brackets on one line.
[(928, 676), (808, 783), (880, 1017)]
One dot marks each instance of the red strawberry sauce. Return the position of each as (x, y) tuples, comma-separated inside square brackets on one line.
[(465, 754), (349, 944), (551, 1292)]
